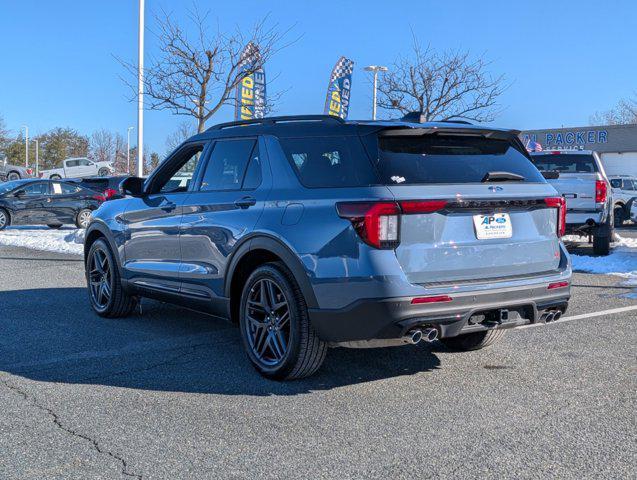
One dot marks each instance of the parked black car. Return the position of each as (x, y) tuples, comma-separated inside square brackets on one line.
[(107, 186), (46, 202)]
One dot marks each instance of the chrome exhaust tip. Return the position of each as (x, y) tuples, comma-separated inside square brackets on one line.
[(430, 334), (549, 317), (413, 337), (557, 315)]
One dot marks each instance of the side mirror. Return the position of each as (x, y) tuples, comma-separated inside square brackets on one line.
[(551, 174), (133, 186), (19, 193)]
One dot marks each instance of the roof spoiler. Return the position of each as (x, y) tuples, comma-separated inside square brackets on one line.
[(418, 117), (405, 131)]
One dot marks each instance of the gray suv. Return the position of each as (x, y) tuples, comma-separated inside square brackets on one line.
[(311, 232)]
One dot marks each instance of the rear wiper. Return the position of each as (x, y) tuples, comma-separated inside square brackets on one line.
[(502, 177)]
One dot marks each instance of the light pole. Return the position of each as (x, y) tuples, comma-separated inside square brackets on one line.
[(375, 69), (37, 158), (128, 149), (26, 146), (140, 92)]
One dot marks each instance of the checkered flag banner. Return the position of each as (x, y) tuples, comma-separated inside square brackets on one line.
[(338, 90)]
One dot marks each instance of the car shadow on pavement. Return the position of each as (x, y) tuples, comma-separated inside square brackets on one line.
[(52, 335)]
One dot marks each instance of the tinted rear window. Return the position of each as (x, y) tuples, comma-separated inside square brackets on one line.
[(329, 161), (412, 160), (567, 163)]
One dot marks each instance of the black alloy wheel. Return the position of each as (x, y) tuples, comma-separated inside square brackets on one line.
[(100, 276)]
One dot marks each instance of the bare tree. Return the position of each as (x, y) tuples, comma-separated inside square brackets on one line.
[(197, 76), (184, 131), (625, 112), (441, 86), (102, 146)]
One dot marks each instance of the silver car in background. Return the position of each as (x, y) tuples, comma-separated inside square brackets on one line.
[(579, 176), (10, 172)]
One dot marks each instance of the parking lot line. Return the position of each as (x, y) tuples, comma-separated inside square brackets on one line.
[(583, 316)]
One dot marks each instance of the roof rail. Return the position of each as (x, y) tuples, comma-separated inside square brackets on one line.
[(274, 120), (418, 117)]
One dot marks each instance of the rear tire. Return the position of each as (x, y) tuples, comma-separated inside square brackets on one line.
[(109, 301), (275, 327), (83, 218), (13, 176), (55, 177), (601, 245), (5, 219), (473, 341)]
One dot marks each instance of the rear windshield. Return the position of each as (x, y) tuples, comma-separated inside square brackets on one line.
[(409, 160), (567, 163), (330, 161)]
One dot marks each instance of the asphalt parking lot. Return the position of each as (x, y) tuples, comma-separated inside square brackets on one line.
[(169, 394)]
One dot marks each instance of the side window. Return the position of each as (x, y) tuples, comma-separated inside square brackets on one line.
[(253, 175), (73, 163), (84, 162), (616, 183), (629, 184), (227, 165), (177, 177), (36, 189)]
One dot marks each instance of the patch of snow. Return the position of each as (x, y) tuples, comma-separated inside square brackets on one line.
[(622, 261), (59, 241)]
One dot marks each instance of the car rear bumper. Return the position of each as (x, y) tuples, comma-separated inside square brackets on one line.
[(388, 318)]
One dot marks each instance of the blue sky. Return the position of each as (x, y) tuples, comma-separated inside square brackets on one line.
[(564, 59)]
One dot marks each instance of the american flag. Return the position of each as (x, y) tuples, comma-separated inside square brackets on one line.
[(532, 146)]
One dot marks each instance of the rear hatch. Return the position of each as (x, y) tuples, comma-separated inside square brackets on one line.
[(578, 174), (474, 206)]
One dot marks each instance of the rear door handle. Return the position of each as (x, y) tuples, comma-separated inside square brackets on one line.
[(245, 202)]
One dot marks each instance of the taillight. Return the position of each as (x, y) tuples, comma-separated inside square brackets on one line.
[(378, 223), (30, 171), (601, 190), (560, 204), (109, 192), (556, 285), (375, 222)]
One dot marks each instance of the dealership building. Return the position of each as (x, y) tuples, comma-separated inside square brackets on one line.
[(616, 144)]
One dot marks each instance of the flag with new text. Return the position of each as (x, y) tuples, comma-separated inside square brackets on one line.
[(338, 90), (250, 93)]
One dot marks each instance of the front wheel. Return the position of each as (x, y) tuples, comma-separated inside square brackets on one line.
[(275, 326), (620, 216), (601, 245), (83, 218), (103, 172), (473, 341), (106, 294)]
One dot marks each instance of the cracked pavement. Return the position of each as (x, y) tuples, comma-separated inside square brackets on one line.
[(169, 394)]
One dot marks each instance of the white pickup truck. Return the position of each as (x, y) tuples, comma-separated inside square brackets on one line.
[(578, 175), (79, 168)]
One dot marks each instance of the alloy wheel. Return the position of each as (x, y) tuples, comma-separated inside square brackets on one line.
[(13, 176), (84, 218), (267, 322), (100, 278), (3, 219)]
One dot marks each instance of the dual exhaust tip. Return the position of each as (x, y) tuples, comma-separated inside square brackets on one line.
[(417, 335), (551, 316)]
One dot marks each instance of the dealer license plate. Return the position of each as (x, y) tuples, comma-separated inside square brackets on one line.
[(497, 225)]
